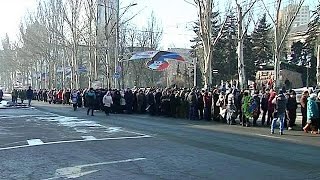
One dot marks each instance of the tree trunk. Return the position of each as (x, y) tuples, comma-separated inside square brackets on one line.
[(241, 68), (318, 66), (277, 59)]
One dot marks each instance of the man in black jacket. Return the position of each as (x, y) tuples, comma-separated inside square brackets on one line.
[(29, 95), (292, 109), (128, 97), (264, 106)]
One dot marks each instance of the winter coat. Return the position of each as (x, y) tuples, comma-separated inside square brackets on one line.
[(192, 99), (303, 102), (200, 101), (312, 109), (207, 99), (128, 96), (270, 104), (256, 99), (246, 101), (107, 100), (292, 104), (90, 98), (29, 94), (23, 95), (230, 102), (281, 103), (74, 98), (264, 102)]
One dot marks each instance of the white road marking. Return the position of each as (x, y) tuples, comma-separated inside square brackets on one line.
[(78, 124), (34, 142), (75, 141), (23, 116), (76, 171), (89, 137)]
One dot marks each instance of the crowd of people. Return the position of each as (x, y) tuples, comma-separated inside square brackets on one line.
[(251, 108)]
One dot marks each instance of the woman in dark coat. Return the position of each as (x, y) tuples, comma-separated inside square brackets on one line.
[(216, 109), (200, 104), (116, 101), (128, 97), (207, 99)]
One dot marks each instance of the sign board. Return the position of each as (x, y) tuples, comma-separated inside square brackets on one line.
[(117, 75)]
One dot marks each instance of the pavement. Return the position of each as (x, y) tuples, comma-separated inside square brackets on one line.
[(54, 142)]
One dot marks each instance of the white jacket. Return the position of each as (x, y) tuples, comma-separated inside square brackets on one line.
[(107, 101)]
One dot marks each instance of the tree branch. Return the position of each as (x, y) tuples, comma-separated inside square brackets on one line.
[(268, 12), (249, 8)]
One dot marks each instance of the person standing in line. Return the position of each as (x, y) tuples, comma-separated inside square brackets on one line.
[(1, 95), (230, 106), (90, 98), (128, 97), (107, 102), (14, 96), (192, 100), (272, 95), (207, 99), (216, 108), (29, 95), (151, 102), (256, 111), (312, 113), (246, 114), (200, 103), (50, 96), (264, 106), (292, 109), (303, 103), (280, 102)]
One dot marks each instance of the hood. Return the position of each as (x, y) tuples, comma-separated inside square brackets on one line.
[(311, 99)]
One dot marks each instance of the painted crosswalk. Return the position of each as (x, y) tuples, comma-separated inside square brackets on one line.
[(39, 128)]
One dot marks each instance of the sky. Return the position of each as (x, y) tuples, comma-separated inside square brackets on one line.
[(174, 16), (174, 19), (11, 13)]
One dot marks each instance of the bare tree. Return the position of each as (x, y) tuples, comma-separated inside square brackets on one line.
[(72, 12), (90, 13), (282, 26), (241, 33), (205, 8)]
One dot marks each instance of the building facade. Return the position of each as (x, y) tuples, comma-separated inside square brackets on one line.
[(302, 18)]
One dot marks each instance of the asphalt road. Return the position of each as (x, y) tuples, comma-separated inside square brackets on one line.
[(53, 142)]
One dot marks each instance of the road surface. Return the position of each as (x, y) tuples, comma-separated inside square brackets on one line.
[(54, 142)]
